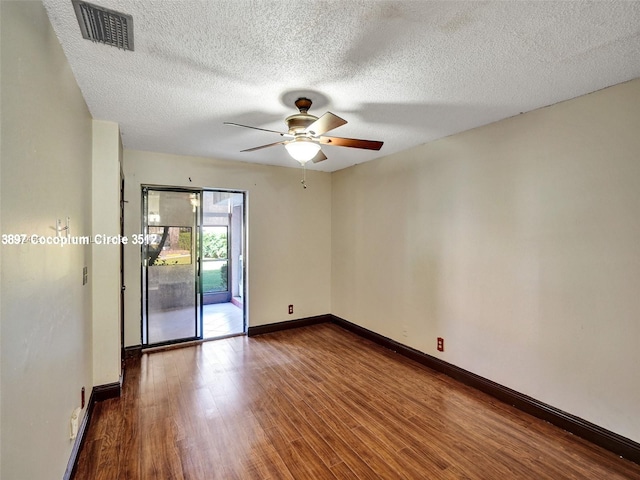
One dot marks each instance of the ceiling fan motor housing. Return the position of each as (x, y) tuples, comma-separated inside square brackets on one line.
[(298, 122)]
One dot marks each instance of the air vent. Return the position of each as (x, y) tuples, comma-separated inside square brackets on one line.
[(105, 26)]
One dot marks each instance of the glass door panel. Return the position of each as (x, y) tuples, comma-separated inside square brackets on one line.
[(170, 266)]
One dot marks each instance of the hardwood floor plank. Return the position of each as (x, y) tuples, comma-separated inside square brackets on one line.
[(306, 430), (319, 403), (351, 459), (88, 464), (271, 464), (109, 456), (373, 459), (301, 453), (342, 471)]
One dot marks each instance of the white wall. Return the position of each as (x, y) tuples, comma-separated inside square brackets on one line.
[(519, 243), (105, 278), (46, 355), (289, 232)]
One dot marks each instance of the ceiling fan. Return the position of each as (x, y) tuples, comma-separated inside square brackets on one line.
[(306, 134)]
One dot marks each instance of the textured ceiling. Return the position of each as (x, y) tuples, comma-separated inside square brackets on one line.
[(404, 72)]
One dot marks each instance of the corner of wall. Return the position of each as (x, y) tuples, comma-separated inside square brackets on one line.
[(106, 165)]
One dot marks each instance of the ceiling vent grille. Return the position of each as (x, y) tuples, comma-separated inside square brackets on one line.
[(106, 26)]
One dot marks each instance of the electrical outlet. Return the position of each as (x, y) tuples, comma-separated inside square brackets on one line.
[(405, 331), (290, 309), (440, 344)]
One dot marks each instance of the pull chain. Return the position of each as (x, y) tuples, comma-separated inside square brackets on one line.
[(304, 176)]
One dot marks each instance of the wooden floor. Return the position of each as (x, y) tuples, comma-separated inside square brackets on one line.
[(319, 403)]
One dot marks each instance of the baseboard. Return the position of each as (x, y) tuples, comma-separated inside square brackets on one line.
[(134, 351), (107, 391), (286, 325), (595, 434), (98, 394)]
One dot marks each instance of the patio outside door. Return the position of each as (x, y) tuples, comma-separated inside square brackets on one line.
[(171, 303)]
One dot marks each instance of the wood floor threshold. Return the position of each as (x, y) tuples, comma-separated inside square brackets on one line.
[(591, 432), (138, 350)]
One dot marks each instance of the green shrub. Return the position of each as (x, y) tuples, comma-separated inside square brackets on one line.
[(214, 245), (215, 280)]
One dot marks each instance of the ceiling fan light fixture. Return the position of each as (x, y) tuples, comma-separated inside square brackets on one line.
[(302, 149)]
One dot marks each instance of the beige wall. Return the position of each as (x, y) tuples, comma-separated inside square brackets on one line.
[(46, 311), (289, 232), (519, 243), (105, 280)]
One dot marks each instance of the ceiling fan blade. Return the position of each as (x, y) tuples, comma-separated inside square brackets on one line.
[(258, 128), (351, 142), (326, 122), (263, 146), (320, 156)]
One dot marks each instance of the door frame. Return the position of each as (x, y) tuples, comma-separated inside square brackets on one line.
[(122, 284)]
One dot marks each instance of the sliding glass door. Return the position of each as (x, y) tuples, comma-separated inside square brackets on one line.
[(170, 270)]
